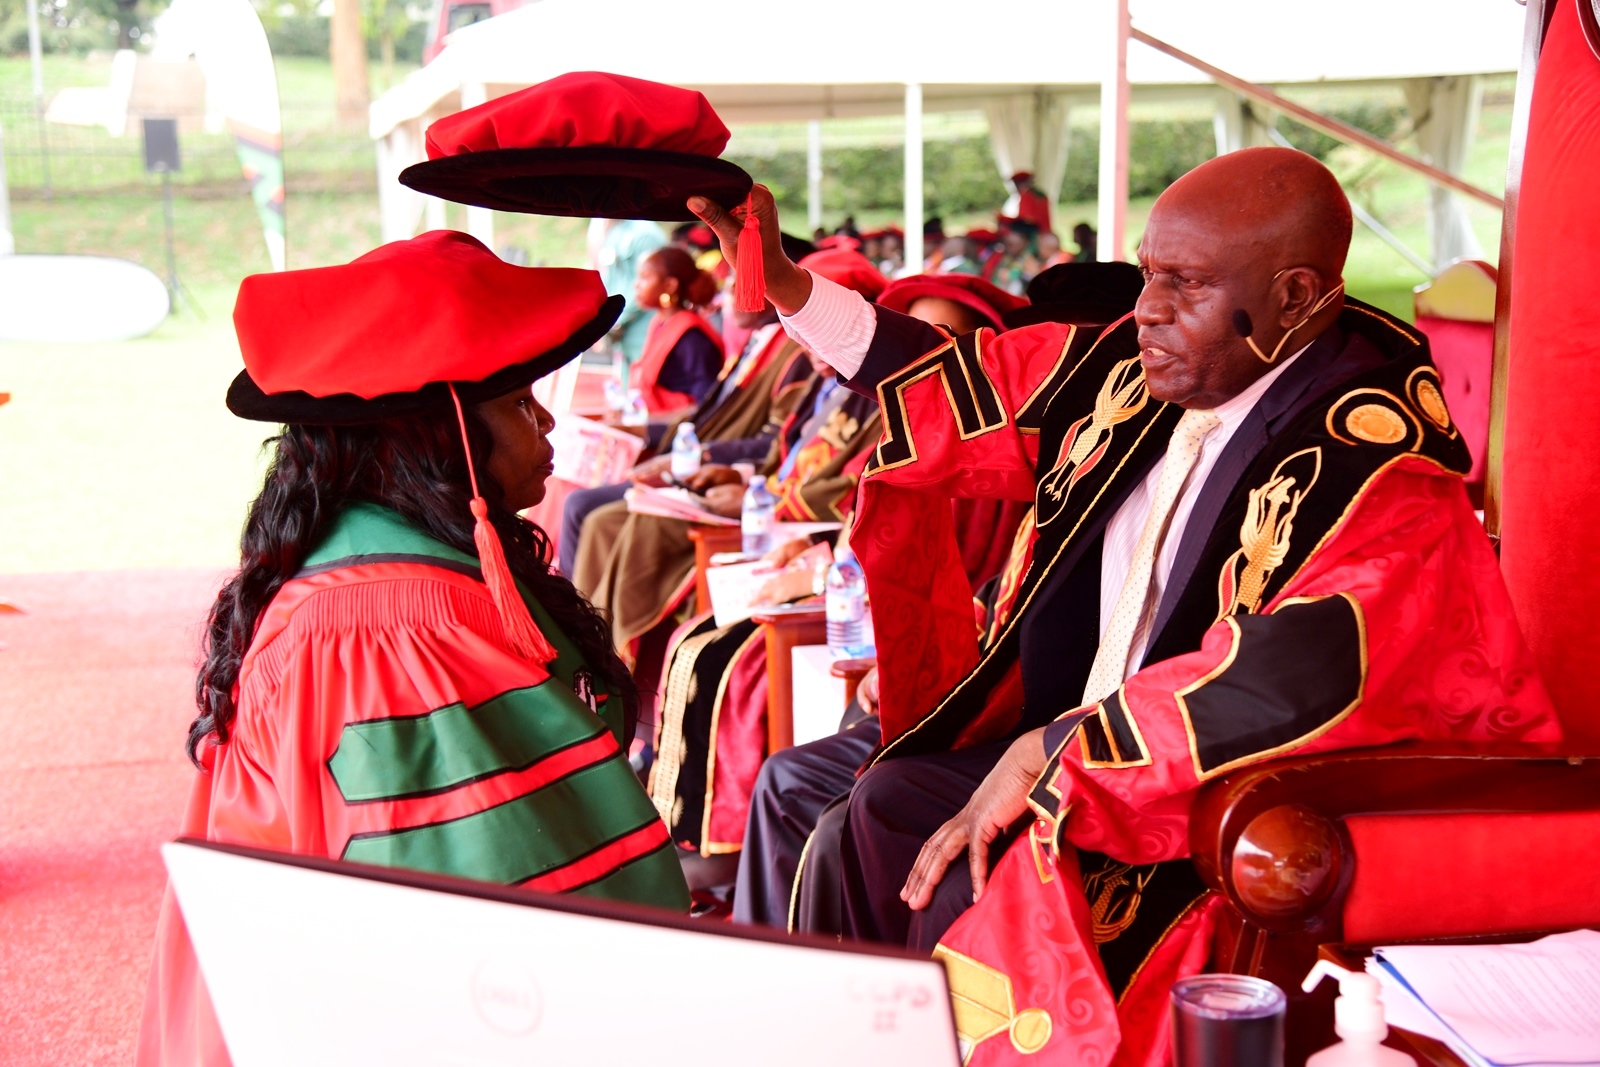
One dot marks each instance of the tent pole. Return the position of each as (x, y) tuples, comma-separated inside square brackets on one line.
[(813, 174), (1537, 21), (1332, 127), (913, 197), (1113, 193), (480, 220)]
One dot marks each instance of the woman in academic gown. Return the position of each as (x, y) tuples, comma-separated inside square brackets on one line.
[(682, 355), (395, 675)]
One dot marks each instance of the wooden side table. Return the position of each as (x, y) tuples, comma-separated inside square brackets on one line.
[(785, 629), (708, 541)]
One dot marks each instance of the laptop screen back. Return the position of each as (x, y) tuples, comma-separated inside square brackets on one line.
[(310, 962)]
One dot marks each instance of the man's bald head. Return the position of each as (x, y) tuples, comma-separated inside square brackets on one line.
[(1257, 237), (1276, 202)]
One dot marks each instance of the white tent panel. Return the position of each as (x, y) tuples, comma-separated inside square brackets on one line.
[(761, 61)]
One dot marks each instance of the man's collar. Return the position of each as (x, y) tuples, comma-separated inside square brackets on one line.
[(1282, 397)]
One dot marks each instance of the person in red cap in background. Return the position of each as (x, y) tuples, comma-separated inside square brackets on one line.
[(1028, 204), (637, 568), (682, 354), (395, 673)]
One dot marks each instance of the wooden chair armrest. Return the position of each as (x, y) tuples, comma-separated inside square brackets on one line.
[(784, 630), (1287, 816), (852, 671)]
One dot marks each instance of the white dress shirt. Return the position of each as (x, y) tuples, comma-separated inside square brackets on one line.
[(836, 324)]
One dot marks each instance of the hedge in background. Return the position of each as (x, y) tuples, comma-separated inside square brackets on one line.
[(960, 175)]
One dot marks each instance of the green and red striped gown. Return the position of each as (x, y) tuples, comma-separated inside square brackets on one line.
[(383, 719)]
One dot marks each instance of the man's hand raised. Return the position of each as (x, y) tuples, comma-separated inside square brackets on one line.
[(1000, 799), (788, 287)]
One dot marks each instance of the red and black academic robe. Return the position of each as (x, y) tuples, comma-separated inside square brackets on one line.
[(1333, 589)]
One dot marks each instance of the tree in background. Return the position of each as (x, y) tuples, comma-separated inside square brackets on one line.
[(385, 21), (78, 26), (348, 50)]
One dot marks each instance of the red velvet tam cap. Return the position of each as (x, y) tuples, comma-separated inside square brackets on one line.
[(987, 299), (389, 333), (588, 145), (849, 268)]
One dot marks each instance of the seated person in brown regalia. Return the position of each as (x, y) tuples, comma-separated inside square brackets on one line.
[(638, 568)]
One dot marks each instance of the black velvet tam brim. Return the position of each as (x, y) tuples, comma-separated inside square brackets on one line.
[(246, 400), (1074, 312), (592, 183)]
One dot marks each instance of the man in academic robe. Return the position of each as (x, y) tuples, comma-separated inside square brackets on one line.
[(1253, 540)]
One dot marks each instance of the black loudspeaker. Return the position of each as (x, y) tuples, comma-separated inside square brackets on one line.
[(161, 146)]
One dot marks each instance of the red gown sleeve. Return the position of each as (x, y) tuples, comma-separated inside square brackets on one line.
[(961, 421), (1398, 628)]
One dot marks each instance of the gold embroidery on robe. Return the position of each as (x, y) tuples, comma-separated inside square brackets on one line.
[(1122, 396), (1114, 893), (983, 1004), (1265, 534)]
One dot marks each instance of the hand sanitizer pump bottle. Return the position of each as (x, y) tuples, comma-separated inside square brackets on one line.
[(1357, 1019)]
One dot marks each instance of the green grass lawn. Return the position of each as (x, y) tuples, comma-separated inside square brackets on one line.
[(122, 455)]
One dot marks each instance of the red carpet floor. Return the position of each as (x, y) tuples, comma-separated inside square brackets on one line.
[(95, 695)]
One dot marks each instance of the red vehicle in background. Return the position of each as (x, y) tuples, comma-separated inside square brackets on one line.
[(450, 15)]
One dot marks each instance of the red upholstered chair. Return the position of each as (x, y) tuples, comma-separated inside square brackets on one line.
[(1456, 312), (1398, 844)]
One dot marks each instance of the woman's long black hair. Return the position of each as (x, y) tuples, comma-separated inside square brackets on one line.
[(415, 466)]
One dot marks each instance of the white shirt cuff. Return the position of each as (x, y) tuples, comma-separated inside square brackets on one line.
[(835, 325)]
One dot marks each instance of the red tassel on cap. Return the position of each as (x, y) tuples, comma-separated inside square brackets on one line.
[(521, 631), (750, 281)]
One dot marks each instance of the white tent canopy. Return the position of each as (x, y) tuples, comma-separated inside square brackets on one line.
[(1035, 60)]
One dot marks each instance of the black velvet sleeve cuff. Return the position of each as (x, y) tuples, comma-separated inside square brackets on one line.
[(1058, 733), (898, 340)]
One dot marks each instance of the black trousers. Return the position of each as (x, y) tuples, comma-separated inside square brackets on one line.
[(794, 786), (576, 508), (893, 809)]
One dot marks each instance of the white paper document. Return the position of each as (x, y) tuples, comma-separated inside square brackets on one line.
[(1508, 1005), (673, 503), (733, 589)]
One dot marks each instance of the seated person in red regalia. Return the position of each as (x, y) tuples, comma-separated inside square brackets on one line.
[(682, 355), (395, 674), (1253, 539)]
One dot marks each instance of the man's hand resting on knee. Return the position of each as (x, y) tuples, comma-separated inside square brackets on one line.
[(1000, 799)]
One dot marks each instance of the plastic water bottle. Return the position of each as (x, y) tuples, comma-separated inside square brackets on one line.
[(756, 520), (685, 452), (845, 593), (616, 397), (635, 412)]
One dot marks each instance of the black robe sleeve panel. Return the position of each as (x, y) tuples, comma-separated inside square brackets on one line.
[(897, 341)]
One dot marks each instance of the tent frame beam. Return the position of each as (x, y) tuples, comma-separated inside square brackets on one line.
[(1332, 127)]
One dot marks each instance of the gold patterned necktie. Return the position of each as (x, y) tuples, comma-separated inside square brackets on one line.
[(1130, 616)]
